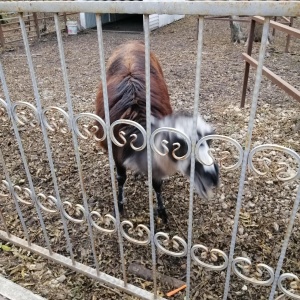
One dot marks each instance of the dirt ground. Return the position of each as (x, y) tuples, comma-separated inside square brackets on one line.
[(267, 202)]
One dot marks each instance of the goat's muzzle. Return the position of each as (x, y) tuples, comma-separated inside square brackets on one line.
[(206, 179)]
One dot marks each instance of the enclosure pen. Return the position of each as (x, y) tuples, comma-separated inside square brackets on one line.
[(115, 228)]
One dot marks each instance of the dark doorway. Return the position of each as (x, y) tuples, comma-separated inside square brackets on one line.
[(125, 22)]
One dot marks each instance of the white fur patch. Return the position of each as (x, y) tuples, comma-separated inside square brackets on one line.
[(206, 159)]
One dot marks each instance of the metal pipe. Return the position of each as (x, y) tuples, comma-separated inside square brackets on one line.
[(202, 8), (109, 143), (258, 78), (149, 150), (285, 244), (194, 136)]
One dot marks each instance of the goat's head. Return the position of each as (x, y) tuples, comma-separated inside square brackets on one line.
[(206, 171)]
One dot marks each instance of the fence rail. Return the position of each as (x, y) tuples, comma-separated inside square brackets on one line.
[(289, 89), (206, 8), (148, 237), (36, 27)]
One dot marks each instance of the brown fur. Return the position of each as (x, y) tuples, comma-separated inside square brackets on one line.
[(126, 88)]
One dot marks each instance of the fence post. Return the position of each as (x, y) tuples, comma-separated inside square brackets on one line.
[(36, 24), (247, 65), (65, 20), (273, 32), (2, 40), (288, 38)]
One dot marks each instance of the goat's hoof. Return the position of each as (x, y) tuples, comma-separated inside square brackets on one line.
[(161, 212), (137, 176), (121, 210)]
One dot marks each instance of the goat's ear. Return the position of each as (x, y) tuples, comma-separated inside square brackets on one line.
[(183, 147)]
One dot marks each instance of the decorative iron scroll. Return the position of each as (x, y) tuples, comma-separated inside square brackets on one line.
[(259, 271), (5, 186), (289, 173), (222, 138), (21, 119), (176, 241), (107, 220), (140, 229), (26, 191), (133, 136), (3, 107), (49, 199), (214, 253), (89, 131), (165, 142), (15, 188), (78, 207), (56, 126), (294, 285)]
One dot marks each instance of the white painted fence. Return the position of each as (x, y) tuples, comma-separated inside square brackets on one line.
[(153, 239)]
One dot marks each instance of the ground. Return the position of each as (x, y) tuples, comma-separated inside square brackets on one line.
[(267, 202)]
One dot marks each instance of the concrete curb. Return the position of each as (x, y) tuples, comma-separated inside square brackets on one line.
[(13, 291)]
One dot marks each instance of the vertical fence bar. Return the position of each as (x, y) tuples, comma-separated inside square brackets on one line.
[(149, 151), (45, 135), (194, 140), (11, 190), (24, 160), (285, 244), (262, 52), (74, 137), (7, 177), (109, 144), (2, 219)]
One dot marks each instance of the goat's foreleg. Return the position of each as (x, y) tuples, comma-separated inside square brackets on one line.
[(161, 211), (121, 178)]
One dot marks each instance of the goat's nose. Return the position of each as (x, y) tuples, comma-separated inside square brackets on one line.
[(214, 176), (217, 174)]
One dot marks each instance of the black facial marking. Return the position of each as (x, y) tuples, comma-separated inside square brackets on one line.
[(207, 133)]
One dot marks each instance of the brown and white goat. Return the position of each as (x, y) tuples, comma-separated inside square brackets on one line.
[(127, 100)]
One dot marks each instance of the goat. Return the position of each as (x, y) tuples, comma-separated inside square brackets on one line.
[(127, 100)]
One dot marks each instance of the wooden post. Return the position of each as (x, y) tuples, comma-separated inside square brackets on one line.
[(36, 24), (197, 28), (273, 33), (2, 40), (65, 20), (247, 65), (288, 38)]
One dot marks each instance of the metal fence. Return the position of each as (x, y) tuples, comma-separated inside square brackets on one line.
[(155, 240)]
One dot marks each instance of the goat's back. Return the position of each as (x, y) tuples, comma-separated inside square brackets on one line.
[(126, 86)]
